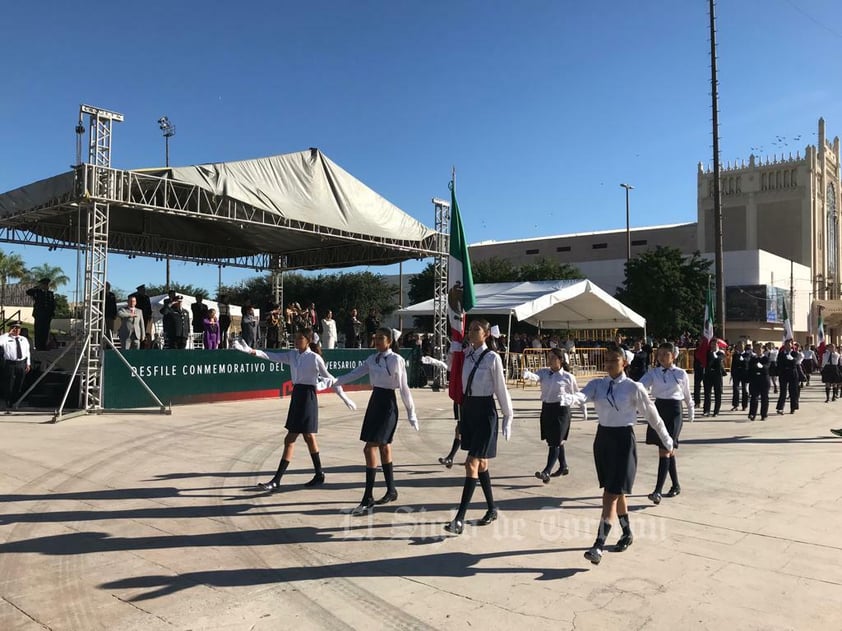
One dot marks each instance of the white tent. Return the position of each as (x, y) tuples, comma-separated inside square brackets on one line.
[(549, 304)]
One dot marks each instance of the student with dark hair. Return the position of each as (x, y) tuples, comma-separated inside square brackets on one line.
[(306, 368), (617, 400), (714, 372), (788, 361), (386, 371), (555, 418), (757, 371), (670, 386), (739, 377)]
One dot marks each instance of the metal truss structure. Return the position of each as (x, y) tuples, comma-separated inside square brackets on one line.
[(441, 334)]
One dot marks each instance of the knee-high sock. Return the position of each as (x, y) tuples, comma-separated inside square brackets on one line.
[(624, 524), (485, 482), (552, 457), (602, 533), (368, 495), (454, 448), (826, 394), (389, 474), (467, 494), (281, 468), (663, 467), (562, 459), (673, 472), (317, 462)]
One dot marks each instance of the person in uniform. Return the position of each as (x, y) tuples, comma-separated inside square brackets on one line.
[(110, 311), (830, 372), (555, 417), (307, 368), (617, 400), (176, 323), (670, 385), (43, 309), (757, 373), (483, 379), (714, 371), (788, 361), (386, 371), (16, 363), (739, 377)]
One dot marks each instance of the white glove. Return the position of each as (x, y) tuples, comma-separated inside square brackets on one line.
[(414, 422), (585, 410), (507, 427), (341, 394), (241, 346)]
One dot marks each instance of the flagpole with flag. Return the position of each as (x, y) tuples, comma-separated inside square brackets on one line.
[(821, 346), (460, 293), (707, 330), (787, 324)]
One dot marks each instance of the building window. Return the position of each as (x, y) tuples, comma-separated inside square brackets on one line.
[(639, 242), (599, 246), (532, 251), (563, 248)]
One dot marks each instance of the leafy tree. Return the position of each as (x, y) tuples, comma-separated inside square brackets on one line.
[(421, 285), (62, 307), (56, 275), (11, 266), (179, 288), (546, 269), (667, 289), (494, 270)]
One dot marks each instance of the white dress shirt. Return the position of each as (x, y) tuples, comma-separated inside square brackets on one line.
[(489, 378), (831, 358), (306, 367), (10, 348), (554, 384), (618, 401), (669, 383), (385, 370)]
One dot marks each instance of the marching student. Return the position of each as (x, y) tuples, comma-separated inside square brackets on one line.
[(617, 400), (714, 371), (306, 368), (759, 383), (555, 417), (386, 371), (788, 361), (830, 372), (670, 386), (483, 379), (739, 378)]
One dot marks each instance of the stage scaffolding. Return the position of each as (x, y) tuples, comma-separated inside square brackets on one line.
[(441, 332)]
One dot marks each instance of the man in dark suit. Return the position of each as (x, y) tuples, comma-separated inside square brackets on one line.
[(42, 311), (176, 324)]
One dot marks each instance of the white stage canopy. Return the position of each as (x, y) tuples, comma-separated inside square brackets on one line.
[(548, 304)]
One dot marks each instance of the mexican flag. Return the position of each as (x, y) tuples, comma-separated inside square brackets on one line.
[(821, 341), (460, 294), (787, 325), (707, 331)]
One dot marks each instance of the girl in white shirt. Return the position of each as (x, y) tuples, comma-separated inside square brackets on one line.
[(555, 417), (617, 400), (670, 386), (830, 372), (386, 371), (482, 381)]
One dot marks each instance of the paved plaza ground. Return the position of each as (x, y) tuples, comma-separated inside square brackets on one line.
[(142, 521)]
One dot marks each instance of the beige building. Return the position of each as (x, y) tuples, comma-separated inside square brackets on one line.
[(780, 236)]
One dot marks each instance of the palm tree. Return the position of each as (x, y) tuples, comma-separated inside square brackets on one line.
[(55, 274), (11, 266)]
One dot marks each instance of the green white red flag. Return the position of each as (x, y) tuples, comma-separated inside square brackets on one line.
[(460, 294)]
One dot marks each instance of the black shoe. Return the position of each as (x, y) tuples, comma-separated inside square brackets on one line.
[(624, 542), (490, 516), (837, 432), (762, 418), (594, 555), (366, 507), (543, 476), (706, 414), (655, 498), (674, 490), (270, 487), (317, 480), (561, 471), (447, 462), (390, 496), (751, 417), (734, 409), (779, 412), (456, 526), (792, 411)]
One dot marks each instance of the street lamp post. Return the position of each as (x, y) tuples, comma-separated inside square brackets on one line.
[(168, 130), (628, 187)]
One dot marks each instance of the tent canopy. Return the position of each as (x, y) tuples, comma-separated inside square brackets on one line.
[(549, 304), (294, 211)]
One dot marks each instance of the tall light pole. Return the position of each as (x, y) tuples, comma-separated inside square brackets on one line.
[(628, 187), (168, 130)]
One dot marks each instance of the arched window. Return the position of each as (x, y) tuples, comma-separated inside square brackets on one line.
[(832, 231)]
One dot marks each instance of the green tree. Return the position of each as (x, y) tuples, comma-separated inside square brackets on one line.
[(179, 288), (56, 275), (546, 269), (11, 266), (494, 270), (62, 307), (667, 289)]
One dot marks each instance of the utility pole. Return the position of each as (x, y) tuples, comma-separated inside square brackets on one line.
[(717, 193)]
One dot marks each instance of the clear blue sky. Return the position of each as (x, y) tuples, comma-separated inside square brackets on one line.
[(544, 107)]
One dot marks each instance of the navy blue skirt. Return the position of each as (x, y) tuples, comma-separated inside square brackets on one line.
[(670, 412), (303, 415), (555, 423), (615, 456), (479, 427), (381, 417)]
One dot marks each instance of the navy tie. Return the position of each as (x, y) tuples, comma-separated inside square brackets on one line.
[(20, 352)]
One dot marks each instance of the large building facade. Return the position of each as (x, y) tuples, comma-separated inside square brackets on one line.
[(781, 239)]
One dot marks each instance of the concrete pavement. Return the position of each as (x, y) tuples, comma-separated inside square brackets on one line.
[(141, 521)]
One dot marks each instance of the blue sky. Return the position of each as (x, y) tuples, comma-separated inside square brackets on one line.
[(544, 107)]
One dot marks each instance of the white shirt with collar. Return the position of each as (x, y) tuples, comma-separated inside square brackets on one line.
[(554, 384), (10, 348), (670, 383), (489, 378), (617, 403), (385, 370), (305, 368)]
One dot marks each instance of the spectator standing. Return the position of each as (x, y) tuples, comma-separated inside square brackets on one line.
[(353, 329), (274, 327), (210, 332), (42, 311), (176, 324), (16, 363), (200, 314), (248, 326), (372, 323), (132, 330), (145, 306), (328, 331), (110, 311), (224, 321)]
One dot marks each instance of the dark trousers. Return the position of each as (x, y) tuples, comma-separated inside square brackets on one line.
[(759, 388), (698, 379), (224, 325), (788, 381), (11, 380), (714, 382), (42, 332), (740, 397)]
